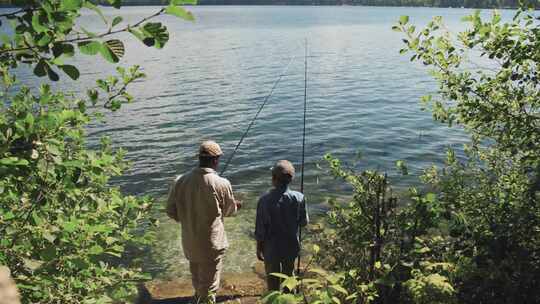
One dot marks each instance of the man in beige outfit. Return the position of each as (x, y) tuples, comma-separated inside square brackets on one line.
[(199, 200)]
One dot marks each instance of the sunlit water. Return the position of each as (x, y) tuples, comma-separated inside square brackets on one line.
[(209, 80)]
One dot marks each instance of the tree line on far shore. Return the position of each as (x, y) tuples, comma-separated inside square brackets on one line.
[(425, 3)]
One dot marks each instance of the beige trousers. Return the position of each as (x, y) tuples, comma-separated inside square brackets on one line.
[(205, 277)]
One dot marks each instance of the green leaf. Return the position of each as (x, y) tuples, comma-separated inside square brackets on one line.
[(44, 40), (179, 12), (37, 219), (286, 299), (29, 120), (95, 250), (52, 74), (69, 226), (70, 70), (319, 272), (71, 5), (89, 47), (41, 67), (402, 167), (32, 264), (116, 21), (290, 283), (108, 54), (431, 197), (63, 49), (340, 289), (49, 237), (80, 263), (403, 19), (49, 253), (116, 46), (270, 297), (13, 161), (115, 3), (53, 149), (93, 95), (279, 275), (8, 216), (156, 32), (423, 250), (316, 248), (57, 61), (38, 20)]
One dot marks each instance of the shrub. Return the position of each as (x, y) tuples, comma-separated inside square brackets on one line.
[(491, 194), (64, 230)]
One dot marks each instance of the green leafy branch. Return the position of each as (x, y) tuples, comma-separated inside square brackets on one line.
[(42, 35), (115, 88)]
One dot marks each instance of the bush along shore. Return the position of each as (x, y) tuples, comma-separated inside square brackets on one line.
[(474, 236), (64, 230)]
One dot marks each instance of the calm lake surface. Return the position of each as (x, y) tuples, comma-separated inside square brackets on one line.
[(209, 80)]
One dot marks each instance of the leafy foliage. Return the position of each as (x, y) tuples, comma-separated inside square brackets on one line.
[(65, 232), (385, 246), (377, 248), (474, 238), (317, 287), (489, 85)]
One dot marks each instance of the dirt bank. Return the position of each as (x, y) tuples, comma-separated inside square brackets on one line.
[(235, 288)]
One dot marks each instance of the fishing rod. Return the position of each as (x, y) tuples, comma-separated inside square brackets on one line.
[(303, 151), (257, 115)]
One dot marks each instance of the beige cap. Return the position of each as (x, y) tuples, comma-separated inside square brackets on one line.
[(210, 148), (283, 168)]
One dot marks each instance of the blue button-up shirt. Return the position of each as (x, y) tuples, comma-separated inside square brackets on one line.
[(279, 213)]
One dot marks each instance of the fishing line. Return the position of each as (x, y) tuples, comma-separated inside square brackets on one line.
[(303, 152), (257, 115)]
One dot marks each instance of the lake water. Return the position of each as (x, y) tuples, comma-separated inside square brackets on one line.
[(209, 80)]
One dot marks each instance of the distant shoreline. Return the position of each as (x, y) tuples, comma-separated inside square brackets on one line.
[(295, 3)]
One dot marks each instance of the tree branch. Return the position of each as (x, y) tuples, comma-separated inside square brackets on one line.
[(81, 39)]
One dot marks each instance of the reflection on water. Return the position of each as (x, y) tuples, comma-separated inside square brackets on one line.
[(213, 74)]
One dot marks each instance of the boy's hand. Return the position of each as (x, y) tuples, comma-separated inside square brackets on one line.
[(260, 247), (238, 204)]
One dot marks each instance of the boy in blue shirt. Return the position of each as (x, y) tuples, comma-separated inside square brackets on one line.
[(280, 213)]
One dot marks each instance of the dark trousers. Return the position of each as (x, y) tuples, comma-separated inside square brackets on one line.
[(284, 266)]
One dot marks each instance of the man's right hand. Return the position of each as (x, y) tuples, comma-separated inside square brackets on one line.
[(238, 205)]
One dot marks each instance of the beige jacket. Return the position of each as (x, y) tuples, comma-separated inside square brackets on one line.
[(199, 200)]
